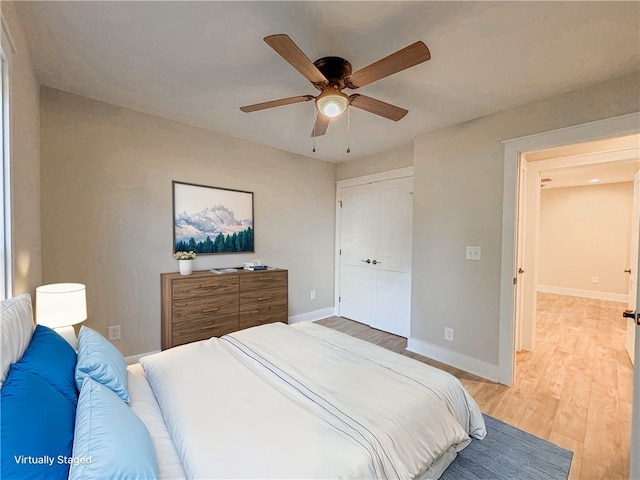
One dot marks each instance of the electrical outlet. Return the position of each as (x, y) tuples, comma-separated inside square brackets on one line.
[(473, 253), (114, 332), (595, 279), (448, 334), (313, 294)]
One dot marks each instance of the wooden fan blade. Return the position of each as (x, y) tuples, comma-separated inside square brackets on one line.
[(288, 50), (378, 107), (276, 103), (394, 63), (321, 125)]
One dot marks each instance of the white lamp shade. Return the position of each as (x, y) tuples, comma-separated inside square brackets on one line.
[(332, 103), (61, 304)]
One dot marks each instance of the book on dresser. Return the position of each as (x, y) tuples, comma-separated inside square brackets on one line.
[(205, 304)]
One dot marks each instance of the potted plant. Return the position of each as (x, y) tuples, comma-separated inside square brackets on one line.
[(185, 261)]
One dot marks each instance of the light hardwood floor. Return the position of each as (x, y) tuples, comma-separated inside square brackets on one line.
[(575, 389)]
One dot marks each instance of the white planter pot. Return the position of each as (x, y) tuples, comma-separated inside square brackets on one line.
[(186, 267)]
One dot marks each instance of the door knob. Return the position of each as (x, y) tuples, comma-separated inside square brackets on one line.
[(628, 270), (631, 314), (366, 261)]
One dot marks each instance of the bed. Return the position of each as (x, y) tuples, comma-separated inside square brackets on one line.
[(274, 401)]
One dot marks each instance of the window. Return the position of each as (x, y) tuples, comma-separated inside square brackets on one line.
[(6, 284)]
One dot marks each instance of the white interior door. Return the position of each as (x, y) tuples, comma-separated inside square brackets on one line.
[(633, 266), (520, 255), (391, 310), (358, 239), (375, 254), (634, 466)]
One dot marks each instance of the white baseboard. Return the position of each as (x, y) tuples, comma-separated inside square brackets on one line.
[(136, 358), (313, 316), (574, 292), (454, 359)]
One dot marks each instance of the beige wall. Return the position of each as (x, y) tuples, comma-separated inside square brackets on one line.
[(584, 233), (458, 183), (25, 162), (107, 209), (380, 162)]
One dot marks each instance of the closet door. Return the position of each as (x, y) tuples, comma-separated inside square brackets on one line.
[(375, 254)]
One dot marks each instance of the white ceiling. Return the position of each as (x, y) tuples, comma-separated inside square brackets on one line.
[(197, 62)]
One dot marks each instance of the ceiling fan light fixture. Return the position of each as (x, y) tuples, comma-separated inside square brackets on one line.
[(332, 102)]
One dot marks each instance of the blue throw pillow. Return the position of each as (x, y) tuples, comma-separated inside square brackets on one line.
[(110, 440), (100, 360), (36, 430), (50, 357)]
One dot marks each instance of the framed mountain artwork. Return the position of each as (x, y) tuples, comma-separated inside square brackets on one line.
[(209, 220)]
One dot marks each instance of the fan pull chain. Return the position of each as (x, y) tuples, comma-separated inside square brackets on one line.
[(314, 128), (348, 129)]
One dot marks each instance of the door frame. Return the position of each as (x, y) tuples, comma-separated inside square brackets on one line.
[(513, 149), (352, 182)]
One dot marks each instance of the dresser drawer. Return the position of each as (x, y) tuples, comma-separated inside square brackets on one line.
[(204, 285), (253, 318), (259, 299), (266, 279), (203, 328), (204, 307)]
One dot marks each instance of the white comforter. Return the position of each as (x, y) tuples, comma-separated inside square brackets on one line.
[(276, 402)]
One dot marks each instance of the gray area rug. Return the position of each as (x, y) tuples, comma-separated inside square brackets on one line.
[(508, 453)]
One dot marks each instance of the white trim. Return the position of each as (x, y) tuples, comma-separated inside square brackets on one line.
[(612, 127), (609, 127), (458, 360), (6, 235), (136, 358), (575, 292), (376, 177), (312, 316)]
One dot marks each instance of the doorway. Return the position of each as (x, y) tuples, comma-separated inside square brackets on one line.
[(599, 130), (582, 253), (604, 129)]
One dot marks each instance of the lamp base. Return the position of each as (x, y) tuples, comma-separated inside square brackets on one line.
[(69, 334)]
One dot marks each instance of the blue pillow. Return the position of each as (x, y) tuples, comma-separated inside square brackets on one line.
[(110, 440), (50, 357), (100, 360), (36, 430)]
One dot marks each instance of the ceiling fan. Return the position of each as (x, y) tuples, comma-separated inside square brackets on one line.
[(331, 75)]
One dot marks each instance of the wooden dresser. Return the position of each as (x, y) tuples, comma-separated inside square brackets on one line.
[(204, 304)]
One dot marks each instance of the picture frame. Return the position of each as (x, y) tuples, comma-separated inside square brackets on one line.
[(212, 220)]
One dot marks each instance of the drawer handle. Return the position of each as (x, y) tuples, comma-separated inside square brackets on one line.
[(209, 310), (264, 298), (180, 304), (209, 285), (204, 328)]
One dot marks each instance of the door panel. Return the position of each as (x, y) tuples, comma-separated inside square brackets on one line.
[(358, 236), (633, 265), (393, 272)]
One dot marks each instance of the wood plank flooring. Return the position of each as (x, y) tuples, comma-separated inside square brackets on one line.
[(575, 389)]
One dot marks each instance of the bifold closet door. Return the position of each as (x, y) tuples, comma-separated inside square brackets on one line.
[(375, 254)]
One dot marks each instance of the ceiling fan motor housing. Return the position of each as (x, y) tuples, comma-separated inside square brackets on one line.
[(334, 69)]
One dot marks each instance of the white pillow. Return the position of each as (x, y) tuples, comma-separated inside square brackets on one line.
[(16, 328)]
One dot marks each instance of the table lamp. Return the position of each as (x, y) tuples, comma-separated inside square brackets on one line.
[(60, 306)]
